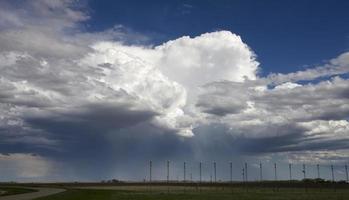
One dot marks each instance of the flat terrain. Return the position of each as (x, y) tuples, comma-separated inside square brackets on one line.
[(269, 190), (192, 193)]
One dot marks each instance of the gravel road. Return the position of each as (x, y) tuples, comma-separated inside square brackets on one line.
[(32, 195)]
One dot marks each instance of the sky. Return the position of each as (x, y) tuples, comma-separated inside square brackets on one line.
[(93, 90)]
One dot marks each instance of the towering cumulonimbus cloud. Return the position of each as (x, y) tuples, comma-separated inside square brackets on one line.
[(168, 77), (209, 57), (69, 96)]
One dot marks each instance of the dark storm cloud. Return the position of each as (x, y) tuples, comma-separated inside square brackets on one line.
[(92, 118), (282, 138), (122, 153), (219, 110), (223, 98)]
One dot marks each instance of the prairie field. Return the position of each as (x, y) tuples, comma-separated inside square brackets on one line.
[(163, 192)]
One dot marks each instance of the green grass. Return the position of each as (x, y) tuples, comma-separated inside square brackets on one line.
[(14, 190), (216, 194)]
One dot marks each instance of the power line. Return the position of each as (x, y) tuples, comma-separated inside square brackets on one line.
[(215, 172), (260, 172), (246, 177), (200, 172), (275, 173), (304, 172), (332, 173), (168, 171), (184, 178), (244, 172), (231, 172), (150, 172)]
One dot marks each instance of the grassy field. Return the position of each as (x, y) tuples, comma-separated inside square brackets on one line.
[(203, 194), (14, 190)]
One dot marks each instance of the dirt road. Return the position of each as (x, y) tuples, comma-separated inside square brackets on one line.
[(29, 196)]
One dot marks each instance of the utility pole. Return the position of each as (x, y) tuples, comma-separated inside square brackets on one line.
[(275, 173), (168, 171), (290, 169), (304, 172), (231, 172), (200, 172), (150, 166), (243, 175), (332, 173), (318, 171), (346, 172), (184, 172), (260, 171), (215, 172), (246, 177)]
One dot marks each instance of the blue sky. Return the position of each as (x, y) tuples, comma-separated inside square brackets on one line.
[(93, 90), (285, 35)]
